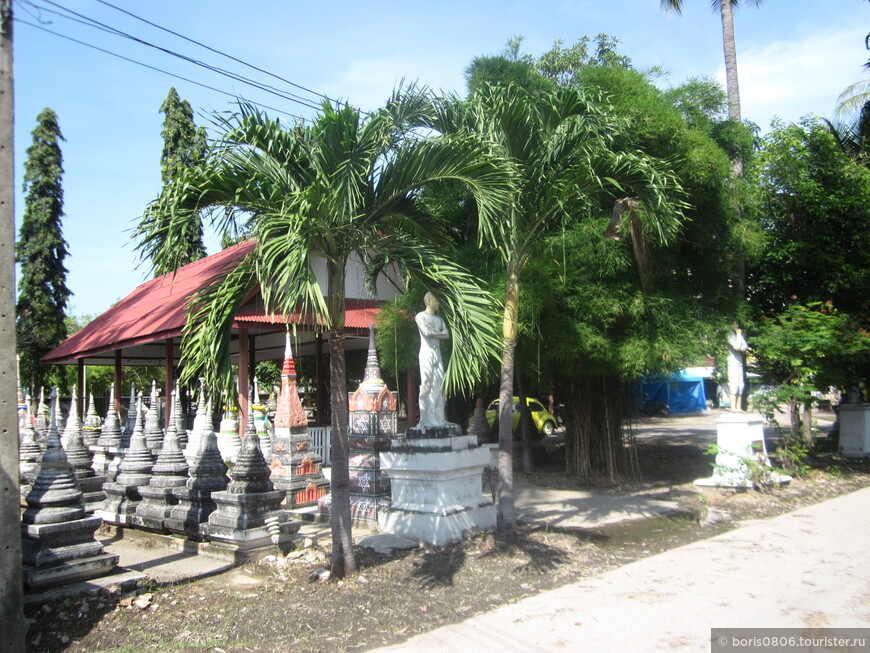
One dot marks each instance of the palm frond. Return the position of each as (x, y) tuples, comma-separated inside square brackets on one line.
[(210, 314), (471, 311)]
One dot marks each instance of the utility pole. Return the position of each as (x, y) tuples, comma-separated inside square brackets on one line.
[(11, 592)]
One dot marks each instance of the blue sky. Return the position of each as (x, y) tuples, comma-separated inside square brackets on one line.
[(794, 56)]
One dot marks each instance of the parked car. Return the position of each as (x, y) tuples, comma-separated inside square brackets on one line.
[(541, 418)]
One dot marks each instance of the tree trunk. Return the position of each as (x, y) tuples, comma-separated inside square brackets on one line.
[(730, 47), (526, 424), (807, 424), (599, 441), (507, 520), (794, 415), (342, 561)]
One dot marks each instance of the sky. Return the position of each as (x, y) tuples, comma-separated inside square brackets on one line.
[(794, 58)]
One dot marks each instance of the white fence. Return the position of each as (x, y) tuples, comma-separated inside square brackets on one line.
[(320, 440)]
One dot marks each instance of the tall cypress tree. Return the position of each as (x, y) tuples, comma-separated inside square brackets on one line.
[(41, 250), (184, 146)]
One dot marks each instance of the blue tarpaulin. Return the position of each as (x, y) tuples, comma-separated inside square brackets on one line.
[(683, 393)]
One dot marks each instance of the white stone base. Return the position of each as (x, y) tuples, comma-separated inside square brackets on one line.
[(854, 430), (739, 436), (437, 497)]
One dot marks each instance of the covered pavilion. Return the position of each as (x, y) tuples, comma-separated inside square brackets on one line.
[(145, 327)]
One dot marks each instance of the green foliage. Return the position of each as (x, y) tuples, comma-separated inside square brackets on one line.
[(268, 374), (738, 139), (815, 210), (398, 339), (812, 347), (41, 251), (562, 65), (701, 101), (184, 147)]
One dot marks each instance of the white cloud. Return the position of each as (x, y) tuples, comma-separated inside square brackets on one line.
[(368, 83), (789, 79)]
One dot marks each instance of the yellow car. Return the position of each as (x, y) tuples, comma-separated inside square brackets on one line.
[(541, 418)]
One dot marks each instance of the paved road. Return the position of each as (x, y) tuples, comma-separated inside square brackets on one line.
[(804, 569)]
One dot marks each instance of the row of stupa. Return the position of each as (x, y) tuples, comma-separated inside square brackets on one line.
[(99, 445), (158, 484)]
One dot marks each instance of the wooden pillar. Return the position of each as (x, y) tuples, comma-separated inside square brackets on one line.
[(80, 382), (320, 393), (243, 379), (118, 378), (252, 361), (170, 376)]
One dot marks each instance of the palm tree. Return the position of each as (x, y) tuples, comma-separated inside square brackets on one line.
[(726, 10), (559, 147), (346, 183)]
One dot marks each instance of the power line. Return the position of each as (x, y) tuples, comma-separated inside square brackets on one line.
[(223, 54), (95, 24), (160, 70)]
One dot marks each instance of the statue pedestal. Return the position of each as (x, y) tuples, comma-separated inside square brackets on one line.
[(854, 430), (435, 476), (742, 457)]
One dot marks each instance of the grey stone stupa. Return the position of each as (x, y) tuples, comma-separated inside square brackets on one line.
[(92, 424), (107, 450), (42, 420), (152, 429), (58, 544), (169, 472), (29, 453), (132, 416), (208, 474), (248, 521), (81, 459), (201, 423), (134, 472), (180, 419)]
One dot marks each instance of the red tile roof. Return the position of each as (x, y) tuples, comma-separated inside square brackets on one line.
[(156, 310)]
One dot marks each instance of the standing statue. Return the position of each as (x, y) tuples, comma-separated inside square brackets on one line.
[(736, 349), (432, 330)]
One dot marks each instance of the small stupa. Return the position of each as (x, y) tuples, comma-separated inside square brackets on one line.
[(29, 452), (207, 474), (110, 433), (73, 425), (107, 450), (152, 429), (132, 416), (201, 423), (180, 419), (42, 420), (372, 423), (168, 473), (58, 544), (248, 520), (92, 425), (134, 472), (81, 459), (262, 423), (229, 442), (295, 466)]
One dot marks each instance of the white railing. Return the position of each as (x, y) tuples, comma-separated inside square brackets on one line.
[(320, 440)]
